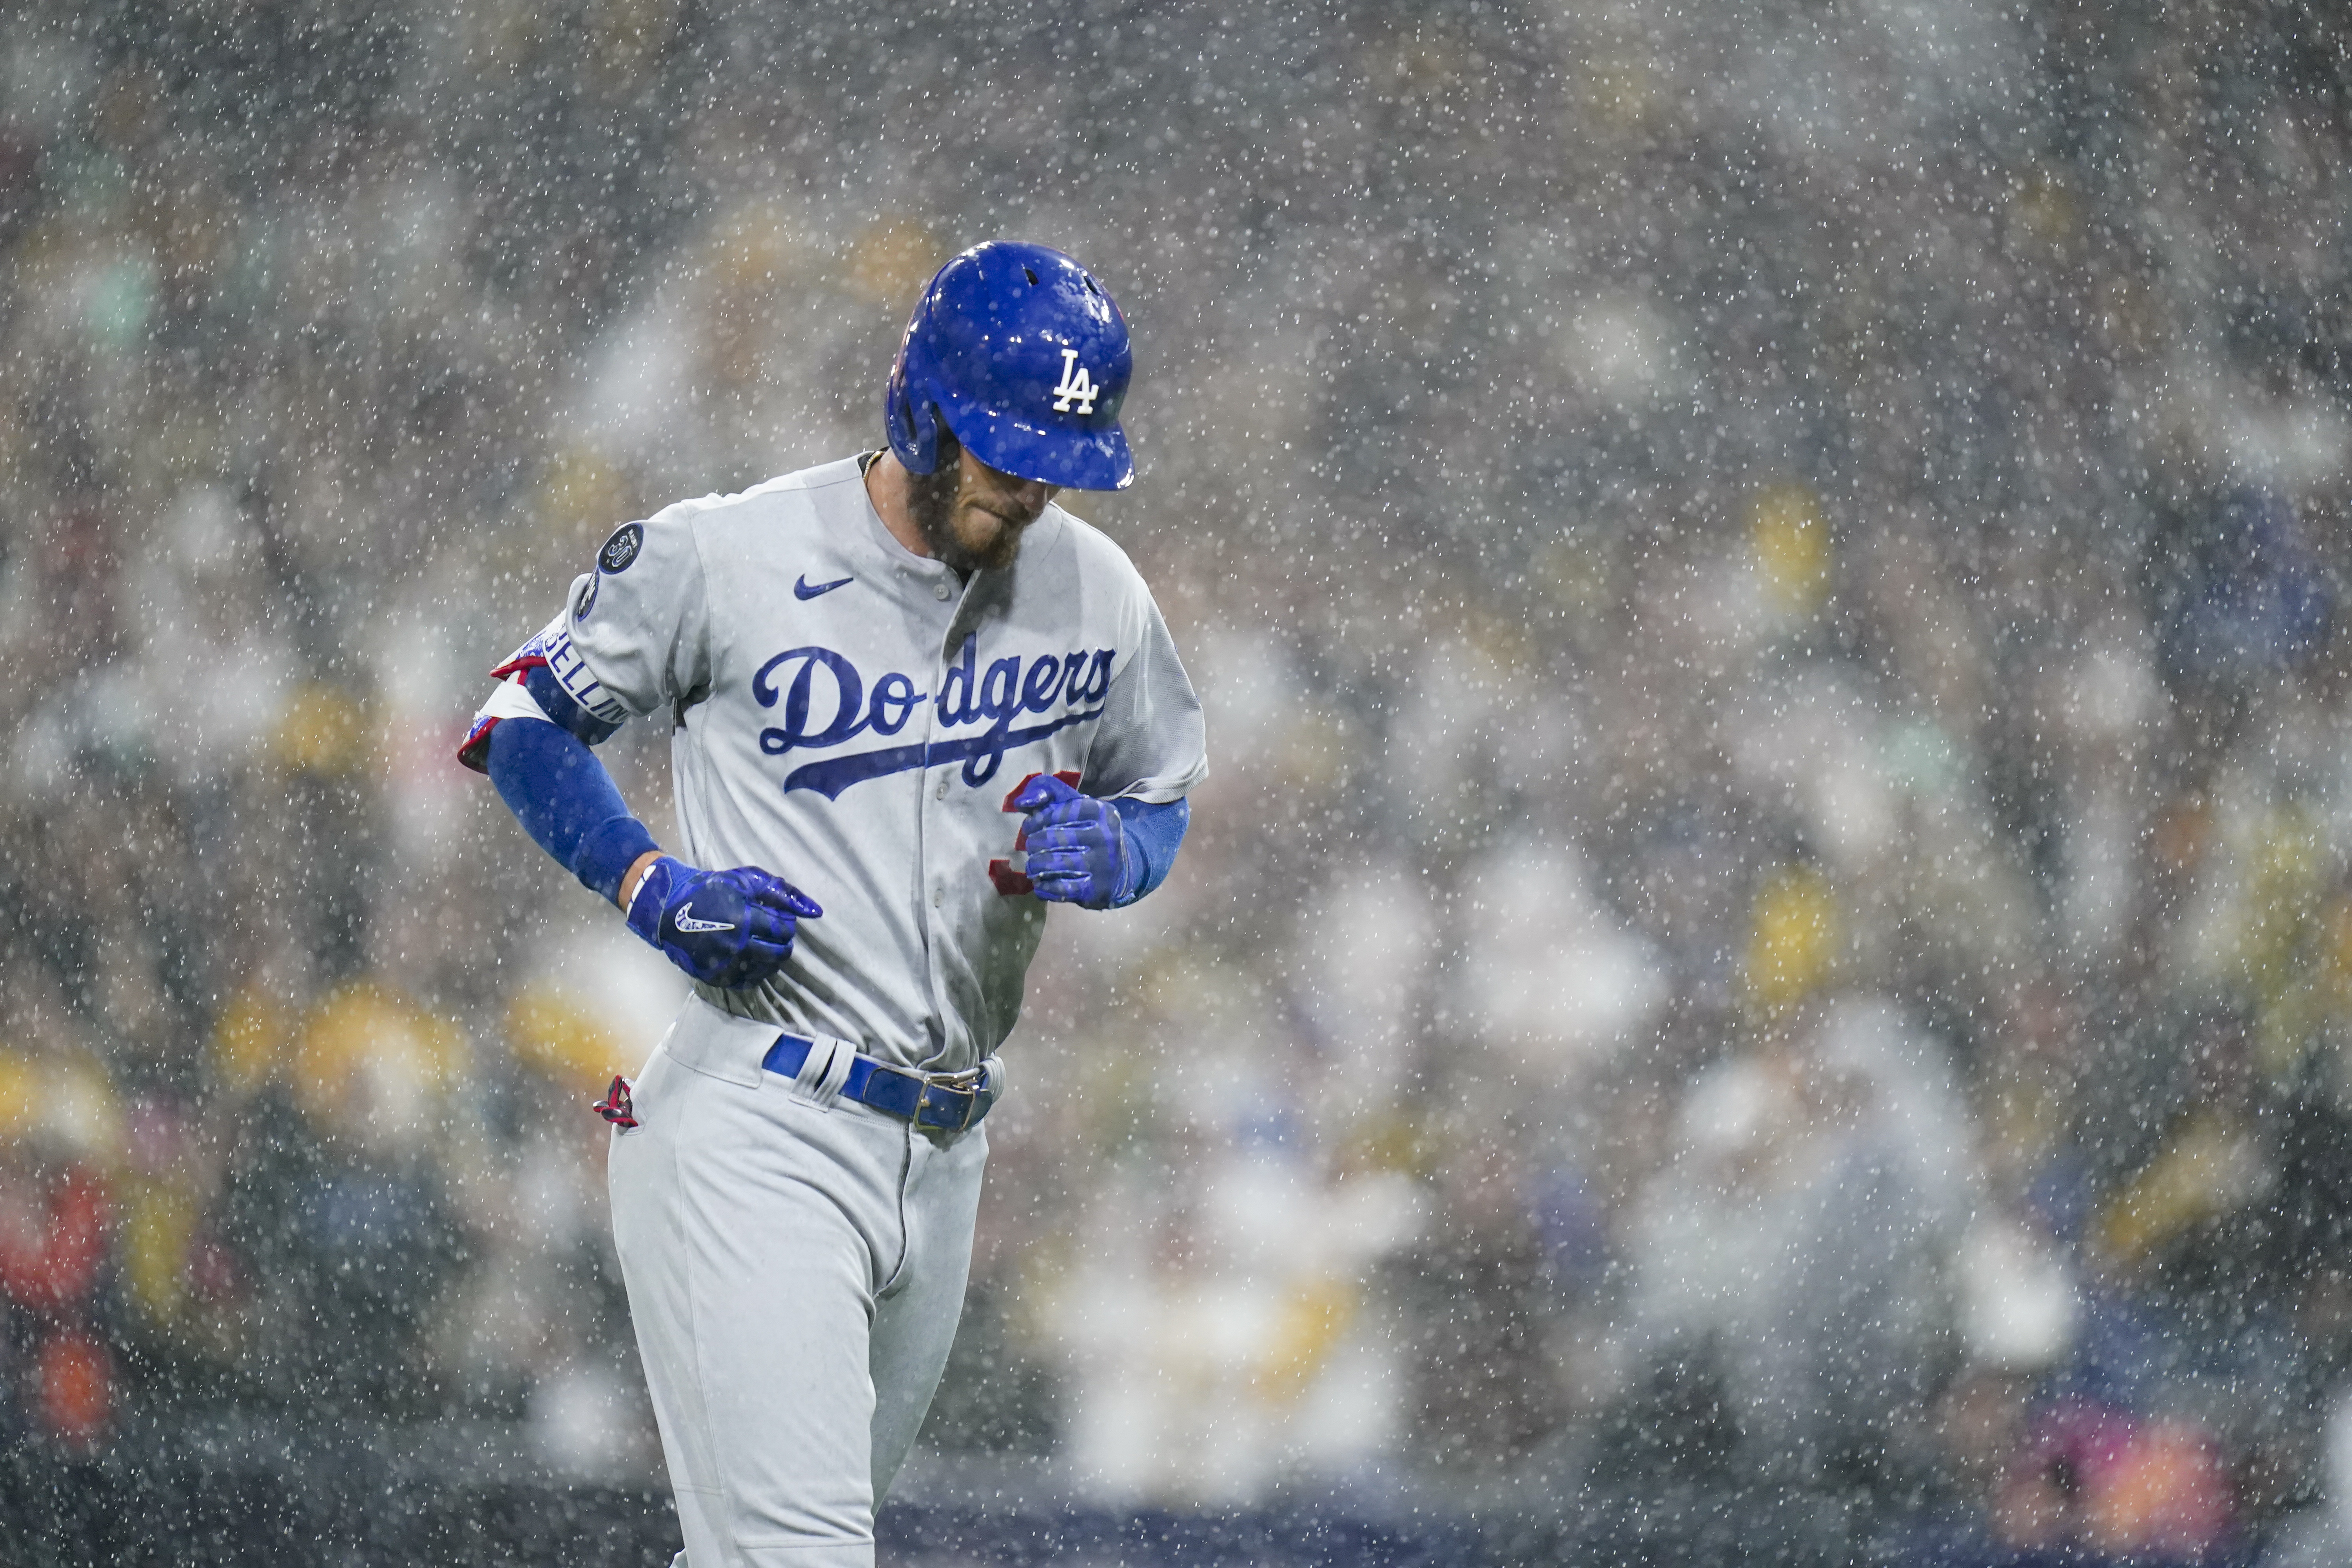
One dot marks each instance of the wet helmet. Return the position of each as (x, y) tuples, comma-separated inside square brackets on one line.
[(1024, 356)]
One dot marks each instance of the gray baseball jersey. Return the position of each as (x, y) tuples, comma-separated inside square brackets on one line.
[(853, 718)]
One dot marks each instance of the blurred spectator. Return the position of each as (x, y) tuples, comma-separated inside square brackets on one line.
[(1802, 1243), (56, 1213), (337, 1206), (2089, 1478)]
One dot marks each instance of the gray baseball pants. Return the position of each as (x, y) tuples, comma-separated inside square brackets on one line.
[(796, 1270)]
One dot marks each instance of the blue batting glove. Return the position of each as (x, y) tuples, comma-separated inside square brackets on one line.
[(1077, 846), (729, 929)]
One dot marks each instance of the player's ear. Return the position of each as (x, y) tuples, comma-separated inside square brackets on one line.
[(947, 452)]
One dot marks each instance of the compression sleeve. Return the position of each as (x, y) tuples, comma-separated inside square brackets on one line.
[(1154, 831), (567, 801)]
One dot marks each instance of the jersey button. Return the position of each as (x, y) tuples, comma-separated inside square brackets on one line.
[(942, 793), (940, 591), (938, 897)]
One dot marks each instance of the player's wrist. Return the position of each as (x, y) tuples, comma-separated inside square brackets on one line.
[(1127, 864), (635, 878), (607, 852)]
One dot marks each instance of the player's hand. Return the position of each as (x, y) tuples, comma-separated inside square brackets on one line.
[(1077, 846), (730, 928)]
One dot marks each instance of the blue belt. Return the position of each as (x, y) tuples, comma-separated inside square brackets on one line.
[(950, 1100)]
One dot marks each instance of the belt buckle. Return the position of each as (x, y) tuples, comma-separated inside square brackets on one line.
[(966, 1083)]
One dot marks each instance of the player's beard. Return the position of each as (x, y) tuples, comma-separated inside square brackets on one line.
[(933, 500)]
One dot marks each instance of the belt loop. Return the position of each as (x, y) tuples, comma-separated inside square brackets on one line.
[(827, 1070), (987, 1083)]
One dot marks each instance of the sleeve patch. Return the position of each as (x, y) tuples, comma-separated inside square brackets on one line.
[(622, 549)]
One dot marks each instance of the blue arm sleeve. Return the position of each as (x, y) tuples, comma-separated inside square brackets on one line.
[(567, 801), (1154, 833), (562, 710)]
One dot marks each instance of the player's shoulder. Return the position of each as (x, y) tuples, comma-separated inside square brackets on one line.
[(799, 496), (1094, 553)]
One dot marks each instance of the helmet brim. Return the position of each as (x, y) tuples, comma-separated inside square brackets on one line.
[(1073, 460)]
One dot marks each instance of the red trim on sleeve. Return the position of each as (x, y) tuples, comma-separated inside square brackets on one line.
[(519, 663), (474, 751)]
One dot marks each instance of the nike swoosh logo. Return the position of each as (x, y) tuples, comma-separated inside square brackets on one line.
[(801, 589), (687, 923)]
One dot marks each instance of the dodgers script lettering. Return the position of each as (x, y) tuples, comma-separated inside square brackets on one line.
[(824, 701)]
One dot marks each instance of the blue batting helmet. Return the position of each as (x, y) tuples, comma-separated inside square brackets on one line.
[(1024, 357)]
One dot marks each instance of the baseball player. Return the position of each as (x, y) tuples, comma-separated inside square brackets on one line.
[(911, 702)]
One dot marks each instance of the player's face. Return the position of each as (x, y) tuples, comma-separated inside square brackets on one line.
[(972, 516)]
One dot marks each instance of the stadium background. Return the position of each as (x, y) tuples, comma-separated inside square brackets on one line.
[(1765, 969)]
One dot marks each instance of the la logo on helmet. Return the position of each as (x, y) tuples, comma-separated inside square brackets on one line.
[(1075, 383)]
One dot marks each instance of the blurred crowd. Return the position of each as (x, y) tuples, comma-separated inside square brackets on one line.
[(1775, 904)]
